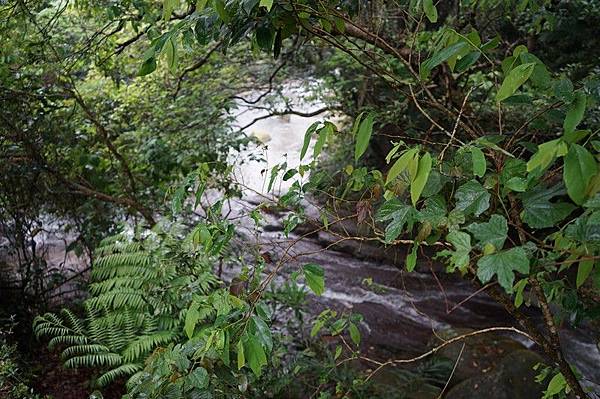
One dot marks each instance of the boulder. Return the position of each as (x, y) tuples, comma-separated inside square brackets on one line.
[(512, 378)]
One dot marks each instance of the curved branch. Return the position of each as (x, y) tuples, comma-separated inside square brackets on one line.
[(287, 112)]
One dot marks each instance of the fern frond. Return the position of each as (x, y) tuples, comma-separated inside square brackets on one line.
[(146, 343), (105, 286), (119, 298), (74, 321), (86, 349), (121, 371), (67, 340), (94, 360)]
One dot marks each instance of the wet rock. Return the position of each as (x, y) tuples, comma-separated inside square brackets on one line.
[(512, 378), (481, 354)]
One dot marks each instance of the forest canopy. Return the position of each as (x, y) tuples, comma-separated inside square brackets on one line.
[(460, 136)]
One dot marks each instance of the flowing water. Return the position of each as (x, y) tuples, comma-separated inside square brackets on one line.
[(402, 311)]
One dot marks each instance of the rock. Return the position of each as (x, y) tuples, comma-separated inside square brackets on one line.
[(512, 378), (481, 354)]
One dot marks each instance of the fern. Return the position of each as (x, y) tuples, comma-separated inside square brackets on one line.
[(135, 306)]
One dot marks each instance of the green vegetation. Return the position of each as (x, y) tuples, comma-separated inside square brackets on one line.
[(469, 136)]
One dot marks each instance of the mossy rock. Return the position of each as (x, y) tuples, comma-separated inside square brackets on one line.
[(512, 378)]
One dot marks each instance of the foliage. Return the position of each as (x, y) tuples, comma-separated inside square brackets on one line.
[(471, 136), (13, 380)]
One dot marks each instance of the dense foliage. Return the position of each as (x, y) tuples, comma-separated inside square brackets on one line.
[(474, 141)]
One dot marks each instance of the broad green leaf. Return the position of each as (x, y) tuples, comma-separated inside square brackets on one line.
[(517, 184), (255, 355), (563, 89), (434, 212), (478, 160), (307, 136), (354, 333), (261, 330), (459, 258), (493, 232), (267, 4), (515, 79), (315, 278), (430, 10), (197, 378), (580, 166), (241, 359), (401, 164), (539, 212), (147, 67), (168, 7), (191, 318), (357, 122), (427, 66), (503, 264), (584, 270), (472, 198), (545, 154), (575, 112), (222, 11), (411, 258), (363, 136), (556, 385), (399, 213), (519, 288), (323, 133), (171, 52), (417, 185)]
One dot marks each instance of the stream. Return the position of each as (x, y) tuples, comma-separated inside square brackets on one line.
[(402, 311)]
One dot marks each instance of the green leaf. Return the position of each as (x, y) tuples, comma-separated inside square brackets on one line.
[(478, 160), (427, 66), (584, 270), (401, 164), (545, 154), (168, 7), (503, 264), (563, 89), (147, 67), (430, 10), (357, 124), (459, 258), (315, 278), (171, 51), (472, 198), (492, 232), (191, 318), (241, 359), (575, 112), (197, 378), (399, 213), (556, 385), (411, 258), (519, 288), (307, 136), (323, 133), (580, 166), (517, 184), (354, 333), (268, 4), (515, 79), (222, 11), (539, 212), (363, 136), (255, 355), (417, 185)]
